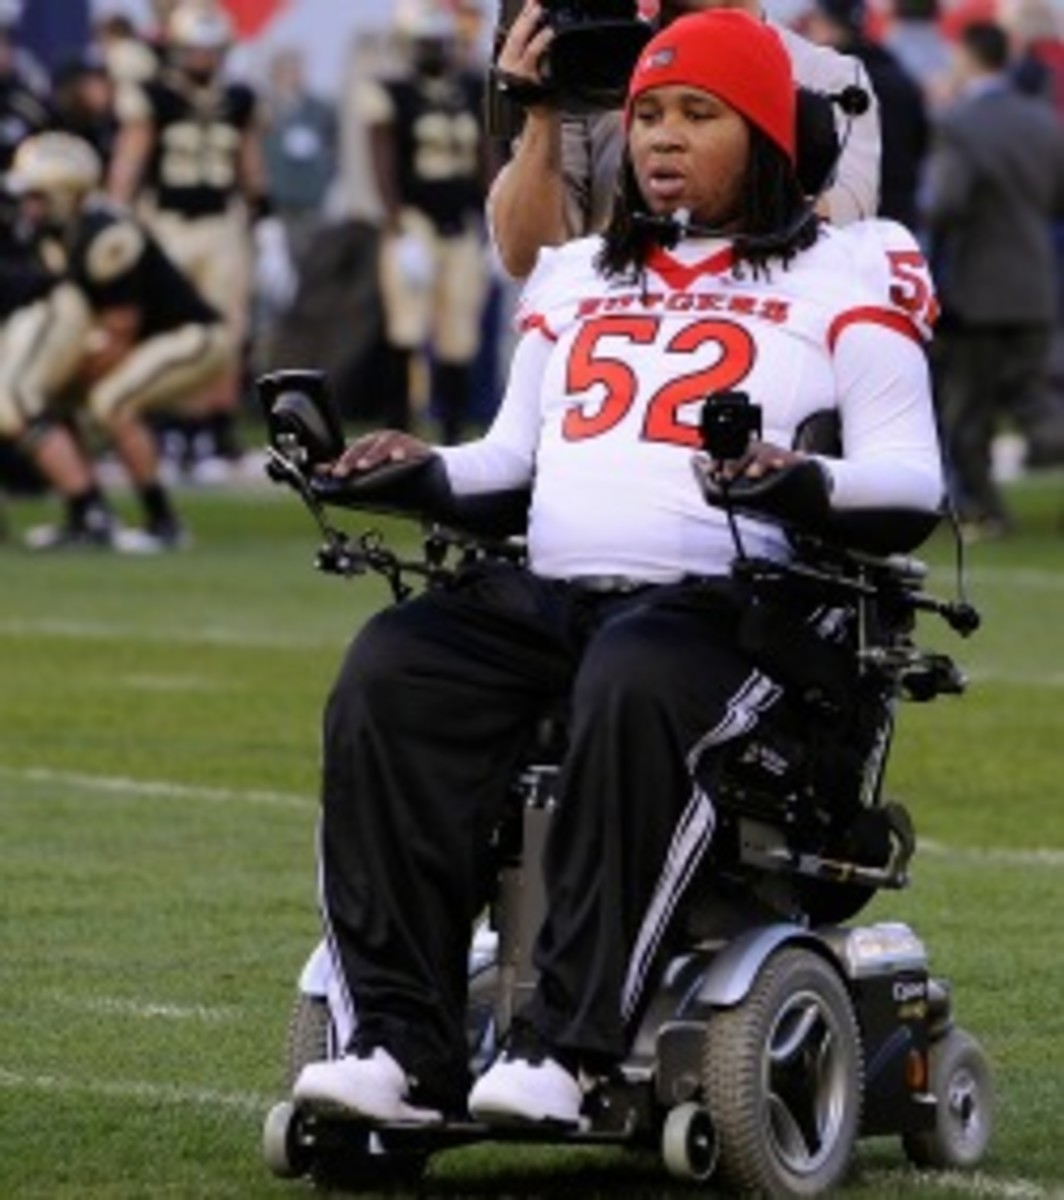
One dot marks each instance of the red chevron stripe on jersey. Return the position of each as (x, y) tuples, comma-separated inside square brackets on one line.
[(870, 315), (536, 321), (681, 275)]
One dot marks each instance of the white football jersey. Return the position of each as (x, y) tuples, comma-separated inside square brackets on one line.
[(607, 385)]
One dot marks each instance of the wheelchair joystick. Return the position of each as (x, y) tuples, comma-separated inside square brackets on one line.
[(729, 423)]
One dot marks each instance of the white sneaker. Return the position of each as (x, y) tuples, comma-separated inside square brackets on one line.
[(160, 540), (374, 1087), (70, 537), (518, 1089), (211, 471)]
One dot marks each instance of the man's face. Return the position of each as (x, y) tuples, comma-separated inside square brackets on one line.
[(94, 93), (200, 64), (432, 56), (44, 216), (33, 208), (689, 150)]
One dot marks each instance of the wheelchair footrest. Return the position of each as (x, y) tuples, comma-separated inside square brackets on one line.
[(405, 1137)]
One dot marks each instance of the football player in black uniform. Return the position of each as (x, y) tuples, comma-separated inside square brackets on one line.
[(121, 332), (189, 151), (428, 149), (83, 101), (23, 280)]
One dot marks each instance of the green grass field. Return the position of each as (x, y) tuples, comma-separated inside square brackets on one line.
[(158, 751)]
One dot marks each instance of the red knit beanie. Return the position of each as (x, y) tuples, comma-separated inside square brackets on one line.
[(724, 51)]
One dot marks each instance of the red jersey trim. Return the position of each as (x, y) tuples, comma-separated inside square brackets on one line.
[(870, 315), (537, 321), (680, 276)]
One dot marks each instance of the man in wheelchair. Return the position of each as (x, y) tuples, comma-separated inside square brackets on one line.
[(713, 277)]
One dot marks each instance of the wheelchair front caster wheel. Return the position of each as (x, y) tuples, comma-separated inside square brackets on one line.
[(689, 1143), (964, 1106), (282, 1142)]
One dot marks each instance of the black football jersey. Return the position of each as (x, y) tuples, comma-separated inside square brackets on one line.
[(116, 263), (439, 133), (195, 164)]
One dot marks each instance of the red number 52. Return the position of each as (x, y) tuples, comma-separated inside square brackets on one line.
[(591, 365)]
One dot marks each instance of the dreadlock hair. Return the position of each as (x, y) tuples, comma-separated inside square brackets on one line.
[(771, 202)]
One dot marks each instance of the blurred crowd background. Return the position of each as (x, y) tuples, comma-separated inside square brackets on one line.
[(333, 86)]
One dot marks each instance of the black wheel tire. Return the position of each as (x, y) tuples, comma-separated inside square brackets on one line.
[(783, 1079), (689, 1143), (309, 1037), (281, 1144), (964, 1109)]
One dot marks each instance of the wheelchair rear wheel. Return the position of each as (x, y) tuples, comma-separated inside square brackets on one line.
[(782, 1074)]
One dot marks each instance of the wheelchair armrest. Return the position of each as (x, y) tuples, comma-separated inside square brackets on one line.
[(881, 531), (422, 490), (798, 498), (491, 514), (405, 489)]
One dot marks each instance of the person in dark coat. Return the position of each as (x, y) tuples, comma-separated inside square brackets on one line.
[(903, 116), (995, 184)]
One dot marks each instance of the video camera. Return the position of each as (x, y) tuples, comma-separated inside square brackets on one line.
[(586, 67)]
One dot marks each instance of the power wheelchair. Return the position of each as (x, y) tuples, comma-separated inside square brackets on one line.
[(780, 1031)]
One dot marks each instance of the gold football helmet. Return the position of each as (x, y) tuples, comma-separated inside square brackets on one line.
[(60, 168), (425, 20), (199, 25)]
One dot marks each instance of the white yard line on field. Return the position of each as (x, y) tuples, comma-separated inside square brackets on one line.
[(146, 1010), (168, 683), (153, 788), (106, 631), (1038, 856), (978, 676), (970, 1184), (242, 639), (1022, 579), (134, 1090)]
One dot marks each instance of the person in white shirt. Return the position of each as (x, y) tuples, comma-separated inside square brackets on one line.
[(714, 274), (568, 162)]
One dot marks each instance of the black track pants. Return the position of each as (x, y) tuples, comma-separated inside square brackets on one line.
[(425, 726)]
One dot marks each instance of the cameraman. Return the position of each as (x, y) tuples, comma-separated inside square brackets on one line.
[(569, 162)]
